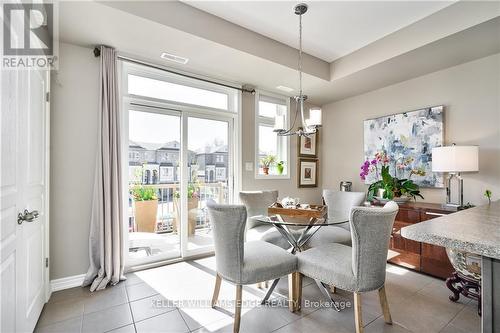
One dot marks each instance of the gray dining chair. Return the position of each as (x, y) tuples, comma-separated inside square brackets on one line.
[(256, 203), (242, 262), (337, 202), (360, 268)]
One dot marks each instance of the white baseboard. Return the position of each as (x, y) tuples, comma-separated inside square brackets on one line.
[(67, 282)]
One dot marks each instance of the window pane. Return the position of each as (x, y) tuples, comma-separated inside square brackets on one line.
[(207, 140), (268, 141), (154, 152), (267, 109), (143, 86)]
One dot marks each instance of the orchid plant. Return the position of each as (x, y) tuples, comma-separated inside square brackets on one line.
[(392, 185)]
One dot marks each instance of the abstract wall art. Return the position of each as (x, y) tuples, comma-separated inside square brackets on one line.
[(408, 136)]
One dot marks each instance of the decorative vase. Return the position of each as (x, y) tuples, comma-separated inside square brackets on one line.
[(280, 168), (465, 263), (145, 215), (266, 170), (466, 279)]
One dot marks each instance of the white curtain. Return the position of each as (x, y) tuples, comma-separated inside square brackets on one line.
[(106, 229)]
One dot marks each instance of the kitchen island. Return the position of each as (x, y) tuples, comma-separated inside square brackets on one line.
[(475, 230)]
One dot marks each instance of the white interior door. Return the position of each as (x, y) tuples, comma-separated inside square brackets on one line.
[(23, 190)]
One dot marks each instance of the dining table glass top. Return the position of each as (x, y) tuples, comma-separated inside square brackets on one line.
[(334, 217)]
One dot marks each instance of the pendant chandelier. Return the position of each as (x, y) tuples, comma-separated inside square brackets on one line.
[(311, 124)]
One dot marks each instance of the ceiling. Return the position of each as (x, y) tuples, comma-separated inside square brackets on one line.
[(219, 49), (331, 29)]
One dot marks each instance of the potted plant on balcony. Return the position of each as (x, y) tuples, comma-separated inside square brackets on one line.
[(193, 197), (388, 187), (145, 207), (266, 162)]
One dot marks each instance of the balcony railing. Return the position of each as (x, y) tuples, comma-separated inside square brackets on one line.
[(167, 205)]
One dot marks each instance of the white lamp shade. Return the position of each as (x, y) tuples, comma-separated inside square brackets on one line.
[(314, 117), (455, 159)]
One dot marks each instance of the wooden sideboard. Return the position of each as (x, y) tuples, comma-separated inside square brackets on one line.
[(421, 257)]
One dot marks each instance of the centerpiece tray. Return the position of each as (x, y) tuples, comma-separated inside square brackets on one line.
[(314, 211)]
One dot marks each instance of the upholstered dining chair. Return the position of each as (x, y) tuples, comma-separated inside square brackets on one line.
[(256, 203), (360, 268), (337, 201), (242, 262)]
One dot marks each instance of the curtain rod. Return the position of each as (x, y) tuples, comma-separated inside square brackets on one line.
[(97, 53)]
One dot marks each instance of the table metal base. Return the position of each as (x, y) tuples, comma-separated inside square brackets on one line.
[(270, 291), (297, 244)]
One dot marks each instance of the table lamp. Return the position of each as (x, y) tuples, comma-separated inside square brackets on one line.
[(454, 160)]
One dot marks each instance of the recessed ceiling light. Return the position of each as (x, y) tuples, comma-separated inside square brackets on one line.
[(287, 89), (174, 58)]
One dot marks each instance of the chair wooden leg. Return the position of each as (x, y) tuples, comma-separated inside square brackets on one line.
[(358, 319), (294, 291), (218, 281), (385, 305), (237, 312), (298, 304)]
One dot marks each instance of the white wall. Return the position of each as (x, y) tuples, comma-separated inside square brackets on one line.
[(470, 93), (73, 145)]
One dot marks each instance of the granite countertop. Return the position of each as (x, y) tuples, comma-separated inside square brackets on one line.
[(475, 230)]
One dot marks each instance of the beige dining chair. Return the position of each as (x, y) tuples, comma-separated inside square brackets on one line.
[(337, 202), (256, 203), (360, 268), (240, 262)]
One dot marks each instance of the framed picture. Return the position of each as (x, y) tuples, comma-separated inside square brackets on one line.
[(409, 135), (308, 172), (307, 146)]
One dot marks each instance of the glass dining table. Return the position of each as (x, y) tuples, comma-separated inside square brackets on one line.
[(298, 231)]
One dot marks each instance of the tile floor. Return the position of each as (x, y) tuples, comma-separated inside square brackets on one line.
[(175, 298)]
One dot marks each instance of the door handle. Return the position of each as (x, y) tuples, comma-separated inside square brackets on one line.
[(27, 216)]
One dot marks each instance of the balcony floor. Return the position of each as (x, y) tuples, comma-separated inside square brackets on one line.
[(146, 247)]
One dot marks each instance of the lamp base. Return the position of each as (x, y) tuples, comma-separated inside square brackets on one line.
[(455, 176)]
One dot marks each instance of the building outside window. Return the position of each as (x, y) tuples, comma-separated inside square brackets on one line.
[(220, 174), (166, 174)]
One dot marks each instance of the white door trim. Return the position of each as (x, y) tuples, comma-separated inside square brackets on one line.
[(48, 290)]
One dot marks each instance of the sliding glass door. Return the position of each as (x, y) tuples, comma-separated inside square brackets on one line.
[(178, 161), (180, 136), (154, 178), (209, 164)]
